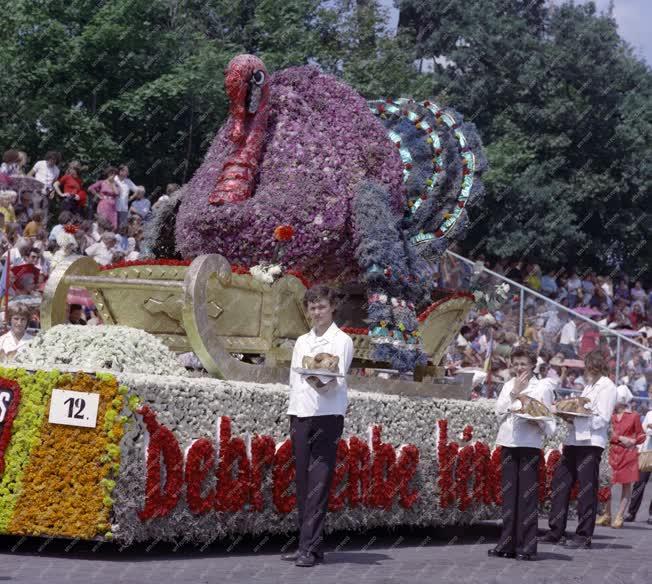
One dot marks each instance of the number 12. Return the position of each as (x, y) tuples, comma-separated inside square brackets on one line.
[(78, 402)]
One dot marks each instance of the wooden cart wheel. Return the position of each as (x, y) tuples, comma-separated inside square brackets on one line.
[(200, 315)]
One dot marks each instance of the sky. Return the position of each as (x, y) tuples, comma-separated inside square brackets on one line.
[(634, 18)]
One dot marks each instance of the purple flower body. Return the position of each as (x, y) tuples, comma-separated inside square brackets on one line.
[(322, 142)]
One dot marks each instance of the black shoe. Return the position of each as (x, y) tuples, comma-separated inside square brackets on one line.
[(629, 518), (526, 557), (294, 556), (307, 560), (550, 538), (578, 543), (649, 521), (495, 553)]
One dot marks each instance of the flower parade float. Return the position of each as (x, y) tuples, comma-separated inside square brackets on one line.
[(194, 459), (306, 182)]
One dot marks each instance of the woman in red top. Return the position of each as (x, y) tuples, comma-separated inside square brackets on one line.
[(71, 189), (626, 434)]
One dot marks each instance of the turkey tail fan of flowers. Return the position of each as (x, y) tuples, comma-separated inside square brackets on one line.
[(442, 164), (321, 141)]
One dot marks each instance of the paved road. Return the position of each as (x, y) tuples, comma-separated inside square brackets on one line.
[(443, 556)]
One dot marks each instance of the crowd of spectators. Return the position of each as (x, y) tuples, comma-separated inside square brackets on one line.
[(620, 306), (46, 216)]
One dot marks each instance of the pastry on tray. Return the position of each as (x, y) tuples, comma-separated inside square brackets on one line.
[(531, 407), (321, 361), (573, 405)]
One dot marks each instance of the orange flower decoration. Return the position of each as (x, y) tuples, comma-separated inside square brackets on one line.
[(283, 232)]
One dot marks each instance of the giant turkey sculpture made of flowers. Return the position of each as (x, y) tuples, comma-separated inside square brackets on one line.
[(346, 189)]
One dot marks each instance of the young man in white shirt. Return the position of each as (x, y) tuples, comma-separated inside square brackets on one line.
[(521, 441), (582, 451), (126, 186), (568, 339), (316, 409), (47, 170)]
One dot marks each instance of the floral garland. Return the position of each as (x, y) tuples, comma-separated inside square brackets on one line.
[(426, 313), (406, 468), (463, 473)]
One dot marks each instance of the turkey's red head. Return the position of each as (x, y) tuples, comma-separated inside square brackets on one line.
[(247, 86)]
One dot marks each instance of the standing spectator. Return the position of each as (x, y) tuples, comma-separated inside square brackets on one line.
[(638, 293), (126, 186), (568, 338), (70, 189), (141, 206), (589, 339), (626, 434), (588, 287), (621, 291), (47, 171), (107, 190), (574, 286), (33, 228), (10, 163), (549, 284), (644, 476), (551, 329)]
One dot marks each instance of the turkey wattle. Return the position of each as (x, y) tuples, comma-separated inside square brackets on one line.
[(360, 190)]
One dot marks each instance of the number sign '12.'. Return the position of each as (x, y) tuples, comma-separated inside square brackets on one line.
[(74, 408)]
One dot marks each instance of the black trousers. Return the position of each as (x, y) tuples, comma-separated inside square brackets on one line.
[(637, 494), (314, 445), (581, 463), (520, 500)]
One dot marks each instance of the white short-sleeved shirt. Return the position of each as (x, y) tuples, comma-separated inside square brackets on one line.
[(46, 174), (126, 186), (304, 399), (9, 346)]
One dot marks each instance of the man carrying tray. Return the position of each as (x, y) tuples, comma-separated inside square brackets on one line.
[(318, 403)]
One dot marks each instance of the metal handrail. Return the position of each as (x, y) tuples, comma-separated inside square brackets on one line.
[(570, 311), (542, 297)]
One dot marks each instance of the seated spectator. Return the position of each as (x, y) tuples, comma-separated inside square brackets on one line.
[(140, 205), (7, 200), (568, 338), (76, 315), (17, 337), (104, 251), (65, 217), (34, 226), (67, 245)]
